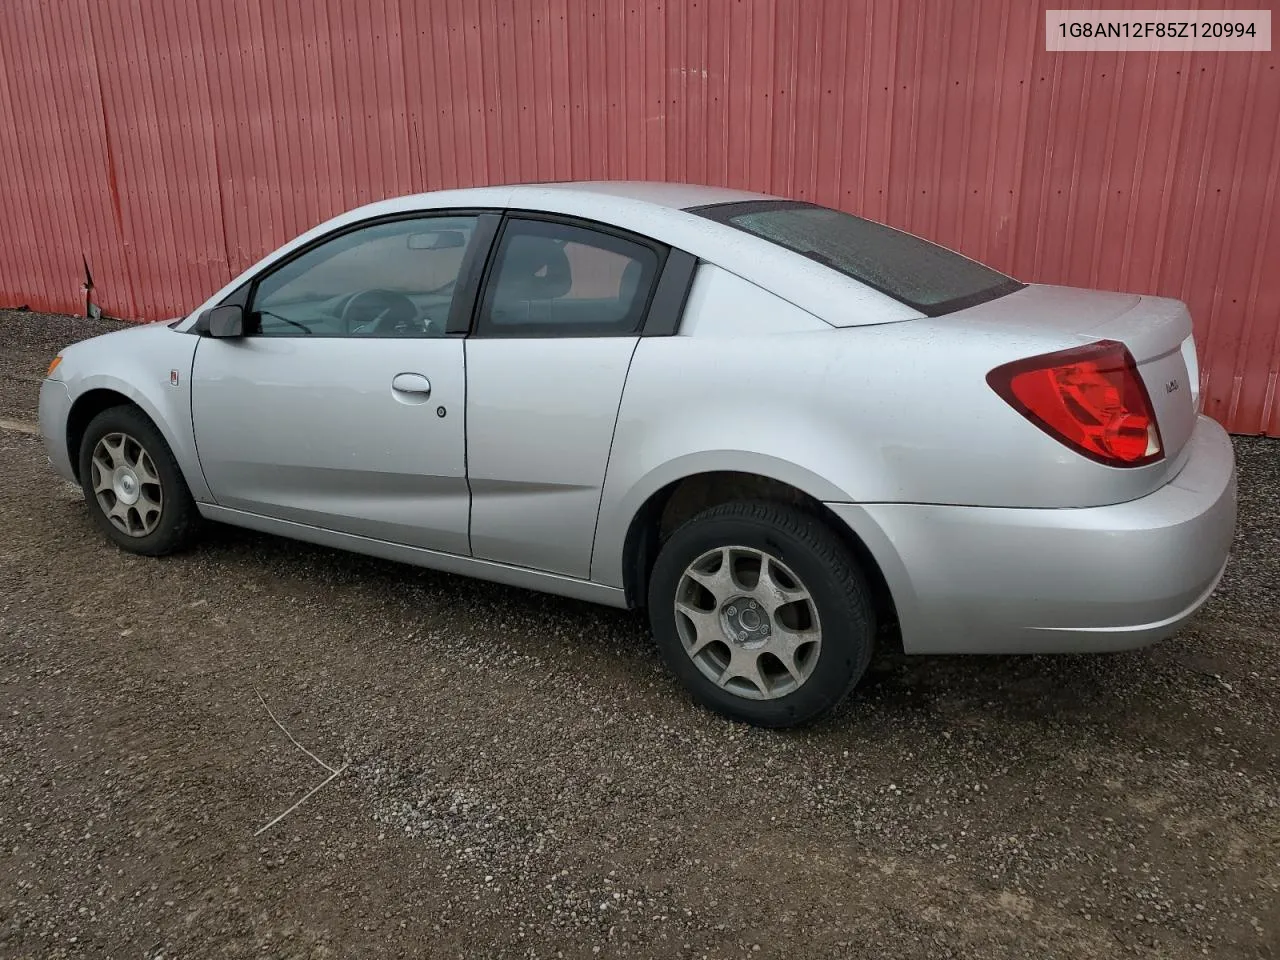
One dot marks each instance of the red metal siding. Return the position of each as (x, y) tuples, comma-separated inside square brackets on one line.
[(173, 142)]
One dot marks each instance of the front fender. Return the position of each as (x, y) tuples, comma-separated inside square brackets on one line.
[(139, 364)]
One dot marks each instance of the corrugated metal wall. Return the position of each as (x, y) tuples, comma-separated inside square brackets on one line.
[(172, 142)]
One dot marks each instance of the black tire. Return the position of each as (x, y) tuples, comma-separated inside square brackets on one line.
[(178, 520), (825, 567)]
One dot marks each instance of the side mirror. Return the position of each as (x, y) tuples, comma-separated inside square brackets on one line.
[(226, 321)]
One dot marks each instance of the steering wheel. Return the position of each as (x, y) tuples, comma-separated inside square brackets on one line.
[(380, 312)]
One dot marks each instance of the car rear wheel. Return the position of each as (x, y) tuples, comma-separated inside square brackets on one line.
[(762, 612), (132, 484)]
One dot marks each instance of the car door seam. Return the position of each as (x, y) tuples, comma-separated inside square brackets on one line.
[(466, 445), (191, 414), (604, 479)]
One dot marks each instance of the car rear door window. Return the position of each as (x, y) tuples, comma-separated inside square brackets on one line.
[(389, 279), (558, 279)]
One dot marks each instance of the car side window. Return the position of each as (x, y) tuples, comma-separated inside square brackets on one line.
[(558, 279), (391, 279)]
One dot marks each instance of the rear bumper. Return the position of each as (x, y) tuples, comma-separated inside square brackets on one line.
[(997, 580), (55, 406)]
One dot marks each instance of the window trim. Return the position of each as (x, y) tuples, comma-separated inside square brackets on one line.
[(546, 331), (663, 311), (723, 214), (671, 294), (466, 288)]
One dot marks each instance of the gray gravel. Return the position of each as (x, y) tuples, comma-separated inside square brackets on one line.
[(28, 341), (523, 779)]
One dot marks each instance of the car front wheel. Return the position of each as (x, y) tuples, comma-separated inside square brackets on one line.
[(132, 484), (762, 612)]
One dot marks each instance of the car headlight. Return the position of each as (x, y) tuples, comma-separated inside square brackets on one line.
[(53, 365)]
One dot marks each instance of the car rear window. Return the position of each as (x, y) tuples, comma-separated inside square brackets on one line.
[(923, 275)]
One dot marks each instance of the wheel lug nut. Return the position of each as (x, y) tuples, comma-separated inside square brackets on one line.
[(752, 604), (732, 611), (764, 629)]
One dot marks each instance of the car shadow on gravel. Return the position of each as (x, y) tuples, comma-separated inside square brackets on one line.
[(1088, 691)]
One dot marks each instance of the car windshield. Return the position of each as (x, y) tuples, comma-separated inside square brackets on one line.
[(923, 275)]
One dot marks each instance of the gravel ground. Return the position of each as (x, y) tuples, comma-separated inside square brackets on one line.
[(520, 777), (28, 341)]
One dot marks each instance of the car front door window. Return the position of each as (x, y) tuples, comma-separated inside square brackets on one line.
[(392, 279)]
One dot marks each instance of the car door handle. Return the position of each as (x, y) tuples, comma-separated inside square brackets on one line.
[(411, 383)]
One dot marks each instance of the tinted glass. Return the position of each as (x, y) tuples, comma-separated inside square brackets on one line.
[(562, 280), (386, 280), (923, 275)]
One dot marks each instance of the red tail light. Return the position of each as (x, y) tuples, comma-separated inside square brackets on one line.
[(1090, 398)]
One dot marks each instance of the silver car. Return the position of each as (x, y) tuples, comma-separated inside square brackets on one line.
[(784, 430)]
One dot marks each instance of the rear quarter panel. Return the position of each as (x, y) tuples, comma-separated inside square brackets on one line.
[(891, 413)]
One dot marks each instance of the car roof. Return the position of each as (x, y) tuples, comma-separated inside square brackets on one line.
[(605, 195), (660, 211), (676, 196)]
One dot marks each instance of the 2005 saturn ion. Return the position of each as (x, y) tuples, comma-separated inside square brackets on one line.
[(774, 425)]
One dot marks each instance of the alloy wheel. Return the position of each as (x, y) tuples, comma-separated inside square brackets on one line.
[(127, 485), (748, 622)]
